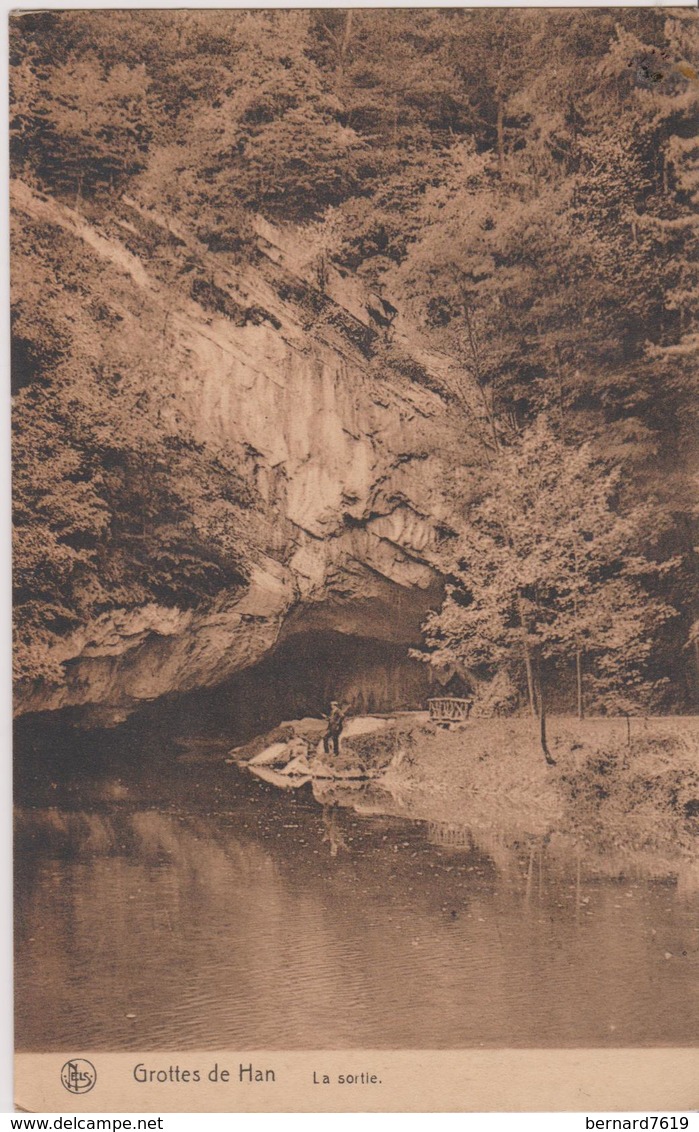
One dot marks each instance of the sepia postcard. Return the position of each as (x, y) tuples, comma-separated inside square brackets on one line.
[(356, 599)]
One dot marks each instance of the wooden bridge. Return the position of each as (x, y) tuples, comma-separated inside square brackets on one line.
[(445, 710)]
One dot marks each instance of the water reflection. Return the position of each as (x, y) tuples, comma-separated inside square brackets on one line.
[(232, 915)]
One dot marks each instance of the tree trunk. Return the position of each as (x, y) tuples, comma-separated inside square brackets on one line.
[(579, 682), (542, 719), (342, 55), (530, 679), (501, 141), (346, 36), (527, 658)]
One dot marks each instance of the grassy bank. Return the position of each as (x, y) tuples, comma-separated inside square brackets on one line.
[(615, 783)]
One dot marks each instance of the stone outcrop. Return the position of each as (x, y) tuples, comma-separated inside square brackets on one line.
[(345, 461)]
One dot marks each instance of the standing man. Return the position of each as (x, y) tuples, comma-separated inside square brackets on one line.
[(335, 720)]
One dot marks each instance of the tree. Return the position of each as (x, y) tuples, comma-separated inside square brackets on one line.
[(544, 571), (81, 127), (266, 133), (518, 280)]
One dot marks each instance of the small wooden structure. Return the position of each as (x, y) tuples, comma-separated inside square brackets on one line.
[(446, 710)]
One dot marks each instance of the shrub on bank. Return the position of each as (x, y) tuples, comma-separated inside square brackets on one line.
[(643, 794)]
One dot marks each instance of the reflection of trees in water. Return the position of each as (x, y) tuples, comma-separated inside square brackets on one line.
[(333, 832), (622, 864), (536, 866), (197, 931), (688, 880), (211, 933), (531, 863), (149, 837), (384, 857), (534, 863), (154, 912), (524, 857), (449, 834)]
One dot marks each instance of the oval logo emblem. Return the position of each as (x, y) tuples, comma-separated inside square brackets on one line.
[(78, 1075)]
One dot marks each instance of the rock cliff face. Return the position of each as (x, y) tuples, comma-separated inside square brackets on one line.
[(345, 461)]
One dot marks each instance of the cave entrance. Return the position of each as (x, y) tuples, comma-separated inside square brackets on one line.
[(300, 677)]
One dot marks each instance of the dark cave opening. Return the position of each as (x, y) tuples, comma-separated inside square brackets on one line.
[(298, 678)]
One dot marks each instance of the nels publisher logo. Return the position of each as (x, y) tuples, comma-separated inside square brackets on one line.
[(78, 1075)]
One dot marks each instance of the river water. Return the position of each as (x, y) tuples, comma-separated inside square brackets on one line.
[(185, 904)]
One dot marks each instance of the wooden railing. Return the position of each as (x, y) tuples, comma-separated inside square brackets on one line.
[(448, 709)]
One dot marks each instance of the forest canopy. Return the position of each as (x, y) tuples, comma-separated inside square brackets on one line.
[(521, 184)]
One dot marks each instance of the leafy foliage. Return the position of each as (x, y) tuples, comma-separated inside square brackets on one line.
[(522, 186), (545, 569)]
